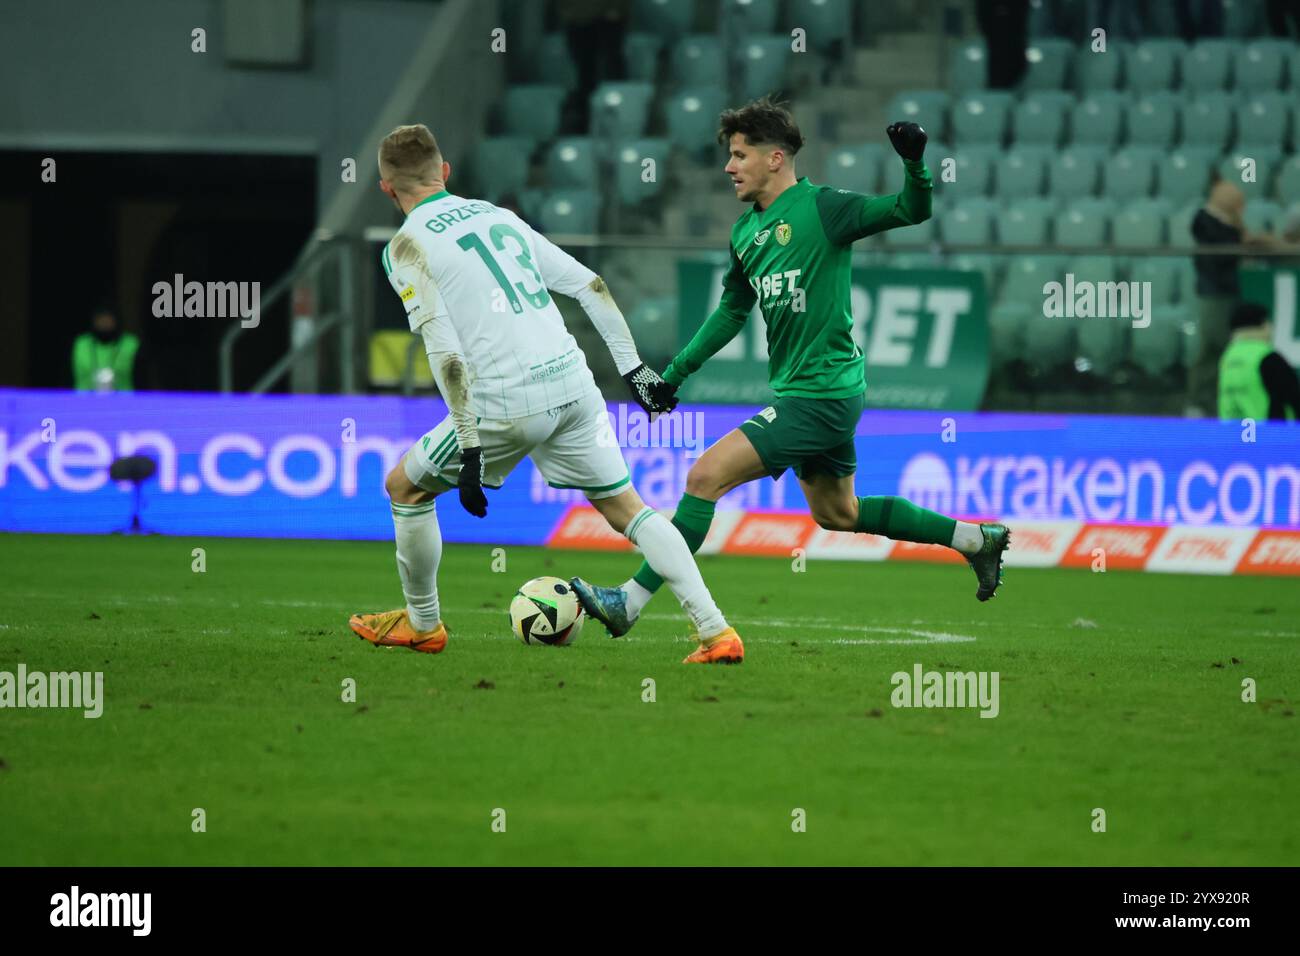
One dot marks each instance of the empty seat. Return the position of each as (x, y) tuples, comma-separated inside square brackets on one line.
[(1207, 65), (969, 222), (1039, 119), (640, 171), (668, 18), (986, 265), (1085, 222), (1100, 71), (1152, 64), (1129, 174), (1097, 120), (929, 108), (697, 61), (1262, 215), (1287, 186), (1293, 69), (972, 171), (968, 67), (1179, 229), (1140, 223), (571, 161), (1103, 340), (921, 234), (533, 109), (1019, 173), (1075, 172), (1049, 342), (1026, 222), (1184, 175), (1093, 269), (620, 110), (568, 212), (1252, 170), (1158, 348), (1243, 18), (825, 21), (1163, 275), (1153, 120), (692, 116), (501, 165), (1263, 121), (856, 168), (641, 54), (1047, 63), (748, 17), (653, 324), (1208, 119), (1008, 320), (1259, 67), (981, 117), (914, 260), (553, 61), (762, 62), (1026, 276)]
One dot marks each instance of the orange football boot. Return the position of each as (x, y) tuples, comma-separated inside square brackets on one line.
[(724, 648), (393, 629)]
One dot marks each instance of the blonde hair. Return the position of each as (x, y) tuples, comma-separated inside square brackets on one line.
[(409, 158)]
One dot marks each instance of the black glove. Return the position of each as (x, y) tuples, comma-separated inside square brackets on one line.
[(650, 391), (470, 482), (908, 139)]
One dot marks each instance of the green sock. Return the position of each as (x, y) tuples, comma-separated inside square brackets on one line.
[(901, 520), (693, 517)]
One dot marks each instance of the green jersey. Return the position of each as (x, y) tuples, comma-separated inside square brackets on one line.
[(794, 259)]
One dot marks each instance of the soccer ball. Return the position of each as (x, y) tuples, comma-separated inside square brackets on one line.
[(546, 611)]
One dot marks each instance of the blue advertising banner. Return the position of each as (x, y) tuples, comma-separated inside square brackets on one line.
[(313, 466)]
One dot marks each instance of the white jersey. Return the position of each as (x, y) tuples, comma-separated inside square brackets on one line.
[(481, 272)]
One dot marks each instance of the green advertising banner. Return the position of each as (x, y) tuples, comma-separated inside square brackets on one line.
[(1279, 290), (924, 333)]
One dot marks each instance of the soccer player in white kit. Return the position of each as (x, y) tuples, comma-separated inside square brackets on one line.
[(476, 281)]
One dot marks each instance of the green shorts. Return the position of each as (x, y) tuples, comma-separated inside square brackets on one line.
[(810, 435)]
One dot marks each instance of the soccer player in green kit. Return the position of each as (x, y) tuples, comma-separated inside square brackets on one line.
[(791, 252)]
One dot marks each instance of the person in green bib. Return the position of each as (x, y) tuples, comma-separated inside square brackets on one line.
[(791, 253), (103, 359), (1255, 381)]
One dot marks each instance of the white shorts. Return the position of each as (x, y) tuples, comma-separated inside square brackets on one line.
[(573, 446)]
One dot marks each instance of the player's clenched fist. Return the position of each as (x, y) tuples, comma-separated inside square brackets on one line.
[(908, 138), (470, 482), (650, 390)]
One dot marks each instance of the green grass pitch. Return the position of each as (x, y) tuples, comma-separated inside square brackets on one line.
[(223, 692)]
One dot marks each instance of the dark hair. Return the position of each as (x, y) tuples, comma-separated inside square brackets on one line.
[(1247, 315), (764, 122)]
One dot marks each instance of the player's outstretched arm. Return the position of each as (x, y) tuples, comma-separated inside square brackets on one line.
[(722, 325), (849, 216)]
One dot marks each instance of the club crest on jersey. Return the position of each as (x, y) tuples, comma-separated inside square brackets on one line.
[(783, 232), (762, 237)]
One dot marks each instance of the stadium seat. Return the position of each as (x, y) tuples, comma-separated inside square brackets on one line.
[(1262, 215), (1049, 342), (641, 54), (981, 118), (533, 109), (1293, 69), (1259, 67), (749, 17), (697, 61), (571, 162), (1140, 223), (1097, 120), (969, 222), (1048, 64), (1103, 342), (1075, 172), (1179, 229), (914, 260), (1153, 120), (1093, 269), (501, 165), (1096, 72), (1243, 18), (973, 169), (630, 171), (1019, 172), (1207, 66), (826, 21), (986, 265), (1263, 121), (855, 168), (1026, 222), (1184, 175), (1039, 119), (1129, 174), (762, 62), (1163, 274), (1152, 65), (692, 116), (553, 62), (620, 110), (927, 107), (668, 18), (922, 234), (1008, 320), (1287, 186), (653, 324), (568, 212), (1265, 160), (968, 67), (1159, 347), (1207, 120), (1083, 223)]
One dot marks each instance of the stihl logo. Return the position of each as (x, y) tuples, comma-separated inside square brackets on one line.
[(1036, 541), (771, 534), (1117, 543), (1277, 551), (1213, 548)]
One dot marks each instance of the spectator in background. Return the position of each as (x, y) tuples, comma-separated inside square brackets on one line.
[(1255, 381), (595, 30), (104, 359), (1219, 222), (1005, 25)]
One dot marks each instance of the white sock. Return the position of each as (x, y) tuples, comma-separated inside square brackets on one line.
[(419, 548), (637, 598), (666, 551), (967, 538)]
